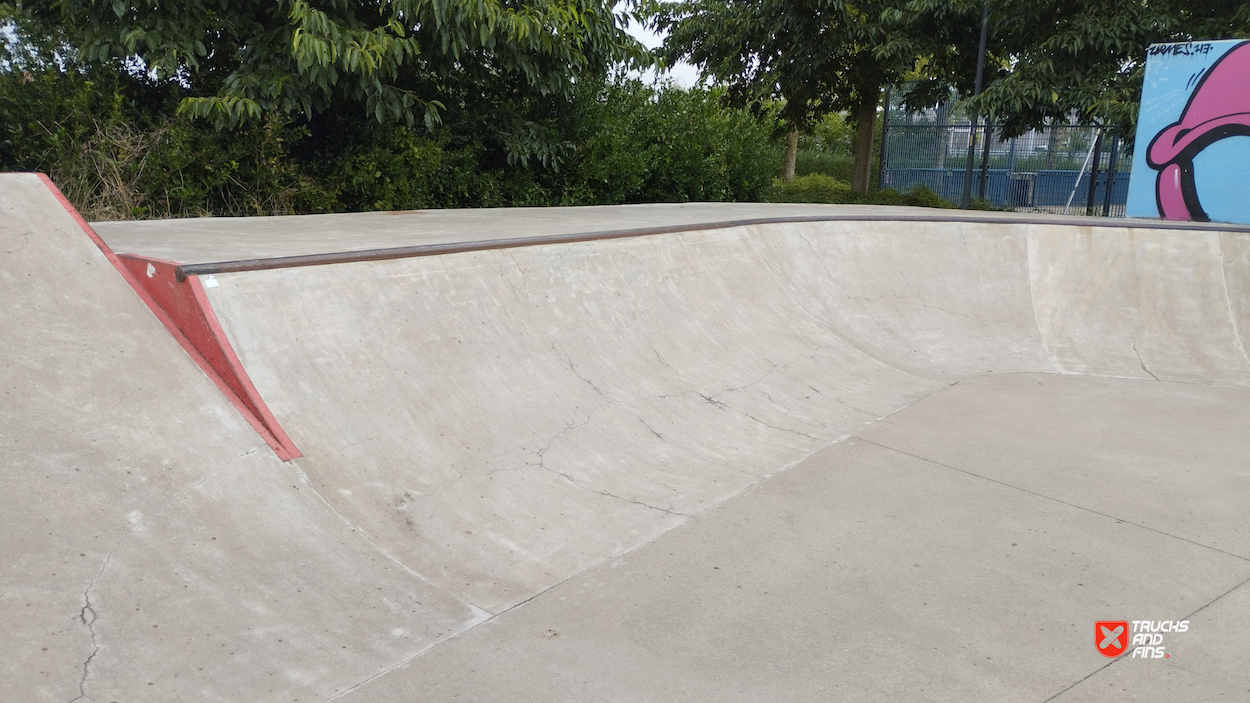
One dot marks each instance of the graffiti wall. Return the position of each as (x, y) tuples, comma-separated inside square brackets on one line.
[(1192, 157)]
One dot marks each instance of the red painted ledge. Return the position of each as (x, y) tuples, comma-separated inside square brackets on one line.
[(185, 311)]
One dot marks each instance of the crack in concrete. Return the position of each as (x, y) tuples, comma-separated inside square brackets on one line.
[(926, 306), (911, 293), (541, 453), (355, 444), (734, 389), (538, 453), (609, 494), (775, 367), (95, 645), (573, 367), (651, 429), (542, 461), (774, 427), (728, 408), (403, 504), (668, 396), (524, 281), (846, 293), (802, 419), (1139, 360), (88, 614), (817, 391), (707, 506), (861, 298), (669, 366), (713, 400)]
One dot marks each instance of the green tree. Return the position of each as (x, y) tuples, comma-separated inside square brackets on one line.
[(398, 61), (814, 57), (109, 132), (1051, 59)]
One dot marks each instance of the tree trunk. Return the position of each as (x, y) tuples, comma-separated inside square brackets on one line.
[(1052, 146), (792, 154), (867, 119)]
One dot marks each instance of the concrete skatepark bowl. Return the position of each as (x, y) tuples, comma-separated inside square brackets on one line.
[(702, 452)]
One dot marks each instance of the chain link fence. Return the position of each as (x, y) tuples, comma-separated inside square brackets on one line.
[(1041, 171)]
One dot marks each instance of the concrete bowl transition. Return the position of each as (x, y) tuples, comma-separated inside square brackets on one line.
[(699, 452)]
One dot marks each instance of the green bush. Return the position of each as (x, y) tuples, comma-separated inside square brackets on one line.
[(668, 144), (181, 169), (838, 166), (984, 204), (117, 149), (113, 145), (812, 188), (817, 188)]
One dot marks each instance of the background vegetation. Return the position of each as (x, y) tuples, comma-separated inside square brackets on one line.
[(115, 143), (246, 107), (117, 147), (143, 108)]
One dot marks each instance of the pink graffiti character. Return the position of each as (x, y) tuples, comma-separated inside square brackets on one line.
[(1219, 107)]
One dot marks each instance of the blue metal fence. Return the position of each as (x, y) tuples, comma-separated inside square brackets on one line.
[(1041, 171)]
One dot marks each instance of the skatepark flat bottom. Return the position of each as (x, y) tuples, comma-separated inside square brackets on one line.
[(958, 550)]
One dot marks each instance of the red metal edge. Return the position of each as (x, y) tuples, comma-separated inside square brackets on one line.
[(187, 306), (184, 310)]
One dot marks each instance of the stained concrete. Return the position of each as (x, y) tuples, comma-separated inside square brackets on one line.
[(566, 435)]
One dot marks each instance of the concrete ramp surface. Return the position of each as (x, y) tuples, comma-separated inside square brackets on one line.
[(674, 452)]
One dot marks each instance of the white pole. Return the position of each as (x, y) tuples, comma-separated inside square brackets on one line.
[(1088, 156)]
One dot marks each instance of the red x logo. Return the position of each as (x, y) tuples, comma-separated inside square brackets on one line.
[(1111, 637)]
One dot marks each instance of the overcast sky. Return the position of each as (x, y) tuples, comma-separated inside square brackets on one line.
[(682, 74)]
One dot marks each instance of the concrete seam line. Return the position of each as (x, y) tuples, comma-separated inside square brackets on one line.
[(1056, 500), (693, 516), (1082, 680), (1104, 666), (1216, 599)]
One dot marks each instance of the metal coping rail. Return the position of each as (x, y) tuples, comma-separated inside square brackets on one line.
[(343, 257)]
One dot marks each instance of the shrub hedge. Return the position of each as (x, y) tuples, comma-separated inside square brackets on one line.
[(819, 188), (113, 144)]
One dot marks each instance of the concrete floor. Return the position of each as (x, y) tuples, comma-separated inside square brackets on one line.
[(959, 550)]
